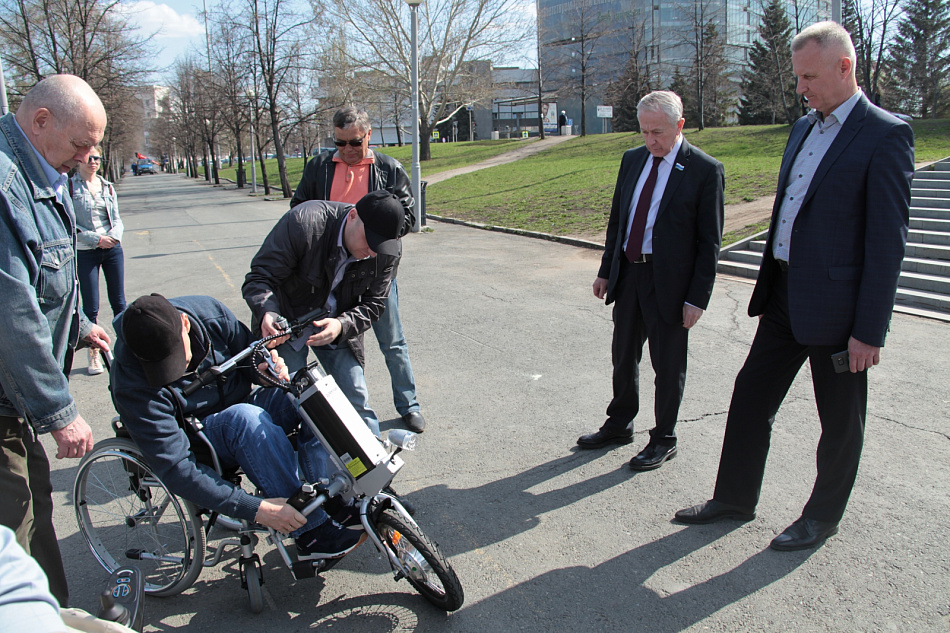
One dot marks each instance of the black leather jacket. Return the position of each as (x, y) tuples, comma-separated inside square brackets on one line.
[(292, 272), (386, 173)]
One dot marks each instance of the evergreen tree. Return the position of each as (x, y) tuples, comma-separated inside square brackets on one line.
[(683, 86), (920, 58), (768, 84), (626, 92)]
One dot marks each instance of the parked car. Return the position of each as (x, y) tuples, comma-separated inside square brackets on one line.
[(144, 166)]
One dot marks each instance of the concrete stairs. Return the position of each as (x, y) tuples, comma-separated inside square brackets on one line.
[(924, 285)]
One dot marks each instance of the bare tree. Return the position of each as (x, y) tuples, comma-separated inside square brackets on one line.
[(452, 35), (88, 38), (871, 23), (570, 51), (183, 115), (280, 38), (231, 53)]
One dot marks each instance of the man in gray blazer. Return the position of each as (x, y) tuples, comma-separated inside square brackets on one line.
[(826, 285), (659, 265)]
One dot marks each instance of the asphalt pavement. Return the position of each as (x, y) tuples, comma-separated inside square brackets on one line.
[(511, 353)]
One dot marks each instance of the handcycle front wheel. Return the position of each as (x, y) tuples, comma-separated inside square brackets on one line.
[(127, 516), (424, 565)]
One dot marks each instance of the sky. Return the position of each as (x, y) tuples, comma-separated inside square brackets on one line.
[(178, 26)]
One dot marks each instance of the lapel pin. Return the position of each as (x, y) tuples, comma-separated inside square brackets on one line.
[(680, 167)]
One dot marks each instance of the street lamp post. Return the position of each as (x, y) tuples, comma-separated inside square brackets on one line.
[(414, 69), (4, 108)]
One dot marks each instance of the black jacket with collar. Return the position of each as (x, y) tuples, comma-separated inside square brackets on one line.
[(687, 232), (385, 173), (292, 272)]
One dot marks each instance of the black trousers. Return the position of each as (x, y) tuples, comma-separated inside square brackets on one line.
[(27, 500), (762, 384), (637, 320)]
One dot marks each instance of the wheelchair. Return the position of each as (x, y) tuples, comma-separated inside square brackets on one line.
[(126, 515)]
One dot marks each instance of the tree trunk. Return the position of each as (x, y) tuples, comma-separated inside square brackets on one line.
[(264, 180), (425, 136), (278, 148), (240, 165)]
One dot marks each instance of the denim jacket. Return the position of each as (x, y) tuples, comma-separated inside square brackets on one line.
[(84, 204), (39, 288)]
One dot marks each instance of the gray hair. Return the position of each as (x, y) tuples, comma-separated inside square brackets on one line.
[(828, 36), (67, 97), (663, 101), (350, 115)]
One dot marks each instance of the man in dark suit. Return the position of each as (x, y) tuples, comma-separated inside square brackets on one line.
[(827, 284), (659, 266)]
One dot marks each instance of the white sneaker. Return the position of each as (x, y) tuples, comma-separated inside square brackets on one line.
[(95, 363)]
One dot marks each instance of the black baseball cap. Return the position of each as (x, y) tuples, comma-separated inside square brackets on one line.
[(151, 327), (383, 217)]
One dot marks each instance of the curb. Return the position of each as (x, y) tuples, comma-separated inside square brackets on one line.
[(571, 241)]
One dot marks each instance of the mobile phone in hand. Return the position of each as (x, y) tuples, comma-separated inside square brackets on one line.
[(841, 361)]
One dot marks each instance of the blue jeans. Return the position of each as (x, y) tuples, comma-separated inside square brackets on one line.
[(392, 343), (253, 435), (346, 371), (88, 263)]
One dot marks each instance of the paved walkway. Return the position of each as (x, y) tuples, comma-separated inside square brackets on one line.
[(527, 149), (512, 357)]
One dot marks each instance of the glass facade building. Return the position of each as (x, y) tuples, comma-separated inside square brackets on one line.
[(590, 41)]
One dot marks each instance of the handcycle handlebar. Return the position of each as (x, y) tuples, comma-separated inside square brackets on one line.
[(210, 374)]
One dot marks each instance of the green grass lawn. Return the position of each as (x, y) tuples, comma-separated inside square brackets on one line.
[(445, 156), (567, 190)]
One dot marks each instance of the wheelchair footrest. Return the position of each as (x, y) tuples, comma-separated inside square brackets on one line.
[(310, 568), (306, 568)]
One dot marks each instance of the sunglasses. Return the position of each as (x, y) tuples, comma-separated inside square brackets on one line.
[(356, 142), (95, 159)]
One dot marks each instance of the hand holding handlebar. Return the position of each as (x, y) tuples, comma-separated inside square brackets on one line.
[(274, 364), (276, 513), (271, 319), (271, 325)]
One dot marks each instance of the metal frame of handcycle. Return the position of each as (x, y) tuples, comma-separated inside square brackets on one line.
[(363, 472)]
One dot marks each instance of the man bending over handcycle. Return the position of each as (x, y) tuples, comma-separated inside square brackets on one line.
[(161, 347)]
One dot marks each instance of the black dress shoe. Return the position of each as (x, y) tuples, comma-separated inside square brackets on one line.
[(804, 534), (414, 421), (602, 438), (712, 511), (652, 457)]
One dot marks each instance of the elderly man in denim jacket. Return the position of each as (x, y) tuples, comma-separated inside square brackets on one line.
[(55, 127)]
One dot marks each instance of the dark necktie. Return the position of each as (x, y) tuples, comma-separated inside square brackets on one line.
[(635, 241)]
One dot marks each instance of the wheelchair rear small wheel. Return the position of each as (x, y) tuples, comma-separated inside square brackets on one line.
[(424, 565), (127, 516)]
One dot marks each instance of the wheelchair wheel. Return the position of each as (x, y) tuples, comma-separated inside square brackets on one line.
[(252, 576), (126, 514), (423, 564)]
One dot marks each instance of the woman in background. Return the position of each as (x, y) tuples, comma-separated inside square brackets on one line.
[(99, 237)]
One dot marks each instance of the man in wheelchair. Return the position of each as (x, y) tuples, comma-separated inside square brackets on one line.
[(161, 347)]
